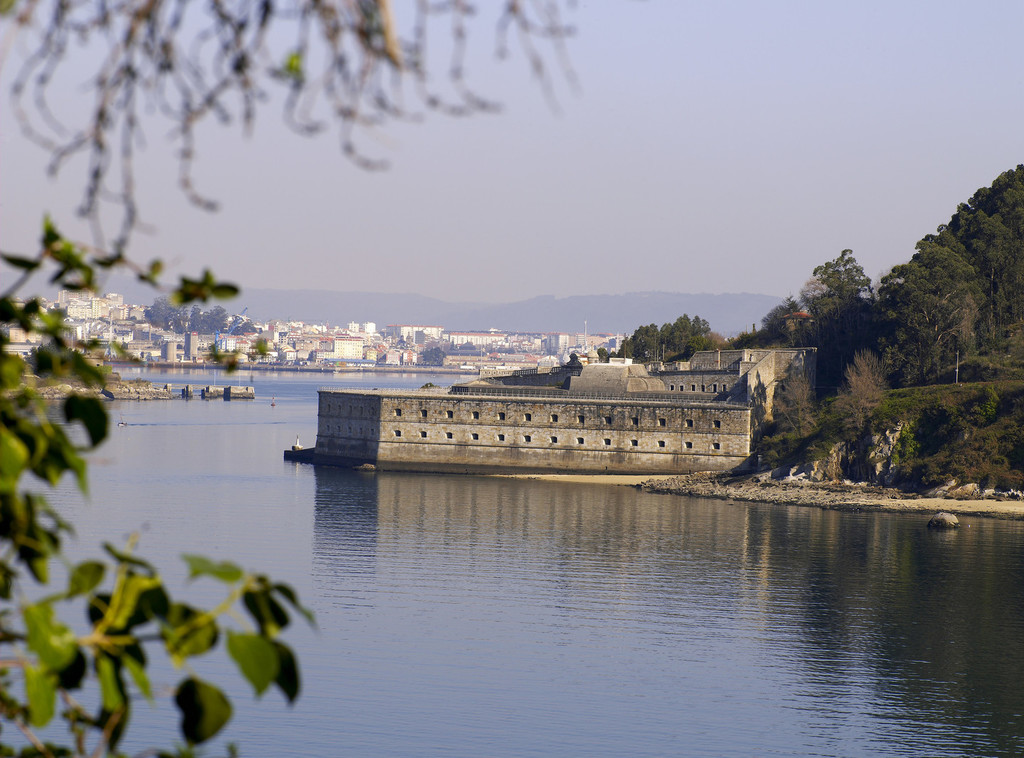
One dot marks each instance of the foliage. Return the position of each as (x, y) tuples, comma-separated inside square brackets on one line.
[(775, 331), (838, 297), (432, 356), (126, 611), (928, 307), (966, 433), (180, 319), (673, 341)]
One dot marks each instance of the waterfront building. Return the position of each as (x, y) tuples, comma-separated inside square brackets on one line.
[(701, 415)]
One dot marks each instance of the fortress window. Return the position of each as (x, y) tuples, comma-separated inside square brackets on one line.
[(527, 438), (662, 422), (689, 423), (607, 441), (554, 418), (501, 438), (476, 436), (703, 388), (554, 439), (671, 387), (716, 446), (634, 443), (725, 387), (423, 435), (476, 414), (661, 443), (449, 414), (581, 419), (579, 440), (715, 387), (717, 424), (448, 435), (528, 417), (501, 415), (688, 445), (693, 388), (636, 420), (398, 411), (398, 432), (423, 414), (607, 419)]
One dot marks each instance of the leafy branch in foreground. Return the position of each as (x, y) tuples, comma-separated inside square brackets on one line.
[(127, 611)]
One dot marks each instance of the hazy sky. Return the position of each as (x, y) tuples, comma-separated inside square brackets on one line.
[(713, 147)]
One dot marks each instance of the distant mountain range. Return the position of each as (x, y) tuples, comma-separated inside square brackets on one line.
[(727, 313)]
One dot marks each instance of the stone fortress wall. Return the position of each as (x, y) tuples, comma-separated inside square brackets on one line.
[(603, 419)]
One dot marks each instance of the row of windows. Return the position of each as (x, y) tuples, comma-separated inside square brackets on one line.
[(703, 387), (554, 439), (635, 420)]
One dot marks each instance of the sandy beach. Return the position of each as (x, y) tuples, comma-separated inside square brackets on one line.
[(827, 495)]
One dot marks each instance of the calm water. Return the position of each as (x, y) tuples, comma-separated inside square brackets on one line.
[(490, 617)]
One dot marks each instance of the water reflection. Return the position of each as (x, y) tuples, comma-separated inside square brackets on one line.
[(832, 633)]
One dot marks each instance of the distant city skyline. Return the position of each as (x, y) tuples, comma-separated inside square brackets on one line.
[(713, 148)]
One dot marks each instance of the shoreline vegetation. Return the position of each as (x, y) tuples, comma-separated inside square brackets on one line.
[(762, 488)]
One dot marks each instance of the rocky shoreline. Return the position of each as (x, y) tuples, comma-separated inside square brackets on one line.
[(832, 495), (137, 389)]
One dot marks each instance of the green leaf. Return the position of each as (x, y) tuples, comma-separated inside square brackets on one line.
[(41, 694), (135, 662), (288, 672), (204, 710), (186, 635), (52, 641), (199, 565), (122, 557), (126, 599), (266, 611), (14, 457), (290, 595), (17, 261), (224, 291), (256, 657), (90, 412), (111, 686), (71, 676), (85, 577)]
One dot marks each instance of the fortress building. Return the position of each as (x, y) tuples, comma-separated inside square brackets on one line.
[(619, 418)]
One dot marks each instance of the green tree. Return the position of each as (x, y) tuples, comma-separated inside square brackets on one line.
[(208, 321), (839, 298), (432, 356), (775, 330), (928, 308), (988, 232), (677, 340), (164, 315)]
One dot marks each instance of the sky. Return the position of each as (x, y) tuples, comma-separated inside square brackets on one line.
[(710, 147)]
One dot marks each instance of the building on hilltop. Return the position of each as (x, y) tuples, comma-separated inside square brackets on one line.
[(702, 415)]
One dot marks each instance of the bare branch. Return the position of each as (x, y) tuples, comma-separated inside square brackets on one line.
[(343, 62)]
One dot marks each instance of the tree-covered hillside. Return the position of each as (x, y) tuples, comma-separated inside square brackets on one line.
[(960, 298), (951, 315)]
